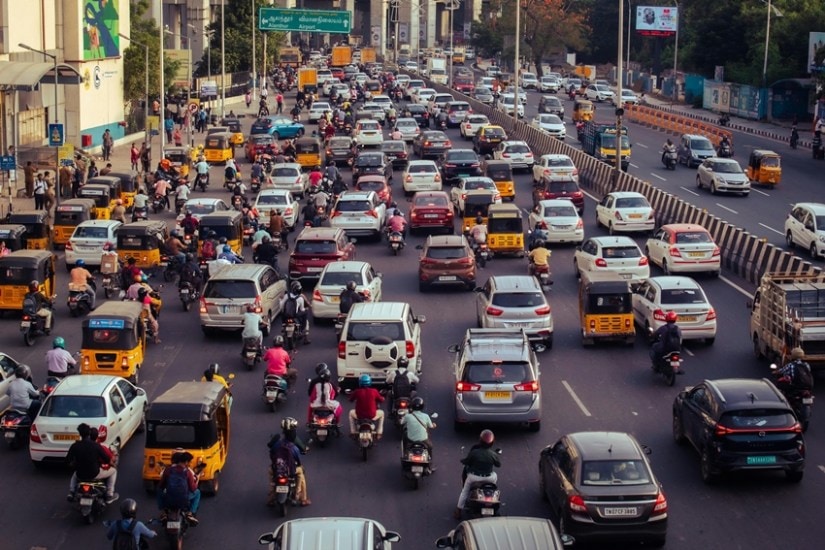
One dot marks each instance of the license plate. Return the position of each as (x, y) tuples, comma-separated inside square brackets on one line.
[(621, 512), (687, 318), (430, 216), (66, 437), (635, 216), (447, 278), (25, 324), (334, 299), (271, 394), (696, 254), (625, 275), (497, 395), (487, 512), (282, 489), (417, 469), (86, 501), (321, 432), (562, 227), (230, 309), (753, 460), (807, 400), (9, 434), (314, 269), (184, 291), (173, 525)]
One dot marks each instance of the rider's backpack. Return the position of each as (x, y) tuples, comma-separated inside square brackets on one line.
[(208, 249), (401, 385), (177, 489), (29, 305), (125, 538), (291, 307), (282, 457), (803, 378)]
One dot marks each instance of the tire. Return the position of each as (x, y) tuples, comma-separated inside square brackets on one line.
[(364, 453), (186, 305), (107, 292), (142, 426), (678, 430), (134, 379), (794, 476), (275, 136), (757, 350), (416, 483), (28, 338), (713, 188), (670, 377), (665, 268), (212, 486), (282, 506), (610, 229), (710, 341), (813, 251), (698, 182), (289, 343), (422, 287), (534, 426), (789, 240), (706, 469)]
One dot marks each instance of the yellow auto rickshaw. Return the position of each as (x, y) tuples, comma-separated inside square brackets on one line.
[(501, 172), (218, 148), (68, 215), (229, 224), (14, 235), (180, 157), (36, 222), (308, 152), (505, 231), (233, 126), (114, 340), (583, 110), (217, 130), (764, 167), (101, 193), (193, 416), (115, 187), (141, 240), (605, 308), (476, 203), (20, 268), (128, 187)]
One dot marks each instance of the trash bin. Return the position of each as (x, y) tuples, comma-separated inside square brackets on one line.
[(85, 140)]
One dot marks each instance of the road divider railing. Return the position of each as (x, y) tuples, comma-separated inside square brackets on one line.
[(675, 124), (743, 253)]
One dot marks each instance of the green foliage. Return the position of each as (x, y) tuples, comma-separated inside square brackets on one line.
[(487, 40), (146, 32)]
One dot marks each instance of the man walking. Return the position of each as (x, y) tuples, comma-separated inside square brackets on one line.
[(108, 144)]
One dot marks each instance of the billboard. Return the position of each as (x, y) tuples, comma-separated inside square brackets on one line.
[(101, 25), (657, 20), (816, 40)]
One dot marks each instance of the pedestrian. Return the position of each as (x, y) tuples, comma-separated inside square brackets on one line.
[(145, 157), (108, 144), (202, 120), (77, 182), (39, 192), (29, 172), (248, 98), (264, 91), (177, 137), (50, 195), (66, 181), (169, 125), (279, 99), (80, 166), (134, 157), (93, 171)]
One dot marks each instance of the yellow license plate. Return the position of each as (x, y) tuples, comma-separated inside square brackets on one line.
[(497, 394), (334, 299), (66, 437), (635, 216), (696, 254), (687, 318)]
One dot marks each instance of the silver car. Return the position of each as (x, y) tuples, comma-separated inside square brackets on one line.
[(515, 301), (288, 176), (722, 175)]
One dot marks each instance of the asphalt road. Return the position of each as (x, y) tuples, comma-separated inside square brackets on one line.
[(602, 388)]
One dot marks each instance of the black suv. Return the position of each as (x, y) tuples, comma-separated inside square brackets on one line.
[(371, 162), (739, 424), (419, 113), (458, 163)]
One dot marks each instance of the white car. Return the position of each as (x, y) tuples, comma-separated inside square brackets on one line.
[(359, 213), (277, 199), (486, 82), (421, 175), (411, 66), (618, 254), (334, 278), (422, 95), (658, 295), (684, 248), (625, 211), (506, 104), (384, 101), (628, 98), (413, 86), (87, 240), (557, 221), (551, 124), (439, 101), (110, 403), (459, 192), (317, 110), (529, 80), (722, 175), (598, 92), (471, 124), (805, 227), (492, 71), (200, 207), (371, 110), (402, 80), (408, 127), (288, 175), (516, 153), (555, 167), (368, 132), (549, 84), (326, 74), (327, 85), (342, 90)]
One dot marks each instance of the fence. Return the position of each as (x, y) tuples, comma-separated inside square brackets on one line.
[(675, 124)]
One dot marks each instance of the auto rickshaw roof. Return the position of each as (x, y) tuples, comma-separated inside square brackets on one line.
[(307, 140), (759, 153), (114, 315), (178, 149), (474, 195), (98, 186), (504, 208), (226, 217), (192, 401), (28, 216), (605, 282), (142, 227), (71, 205), (11, 230), (25, 258)]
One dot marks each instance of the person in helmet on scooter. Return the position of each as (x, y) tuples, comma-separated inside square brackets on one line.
[(322, 393), (23, 396), (796, 376), (417, 425), (349, 296), (539, 257), (59, 362), (80, 280), (668, 338), (401, 380), (367, 405), (278, 362), (479, 466), (285, 450), (129, 526), (37, 304), (296, 306)]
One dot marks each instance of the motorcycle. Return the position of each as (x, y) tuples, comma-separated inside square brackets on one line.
[(79, 302), (400, 409), (724, 120), (366, 436), (801, 400), (571, 94), (542, 273), (255, 184), (16, 426), (110, 284), (415, 462), (251, 352), (33, 325), (49, 386), (668, 365), (172, 268), (484, 499), (339, 325), (90, 497), (179, 205), (188, 295), (230, 184), (725, 150), (157, 204), (323, 425), (396, 241), (291, 332), (274, 391), (140, 214), (284, 493), (202, 182), (669, 159)]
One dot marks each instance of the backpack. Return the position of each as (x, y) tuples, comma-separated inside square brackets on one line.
[(282, 457), (29, 305), (401, 385), (803, 377), (671, 340), (208, 249), (177, 489), (125, 538), (291, 307)]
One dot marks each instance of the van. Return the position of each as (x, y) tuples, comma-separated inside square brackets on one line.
[(505, 533), (374, 336)]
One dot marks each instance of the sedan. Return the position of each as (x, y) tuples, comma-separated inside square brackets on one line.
[(371, 110), (618, 255), (459, 192), (111, 403), (487, 139), (483, 94), (516, 153), (395, 151), (421, 175), (628, 98), (552, 105), (458, 163), (658, 295), (288, 176), (431, 144), (377, 183), (471, 124), (431, 210), (339, 150), (601, 488), (684, 248), (557, 221), (200, 207), (259, 144), (368, 132), (279, 127), (598, 92), (326, 296), (722, 175), (371, 162), (407, 127), (422, 96), (86, 243), (551, 124), (278, 199), (555, 168), (625, 211), (317, 110)]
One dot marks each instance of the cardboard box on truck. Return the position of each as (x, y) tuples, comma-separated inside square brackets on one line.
[(368, 55), (308, 79), (341, 56)]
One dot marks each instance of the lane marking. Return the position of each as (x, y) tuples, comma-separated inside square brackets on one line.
[(821, 468), (575, 398), (633, 166), (642, 145), (769, 228), (692, 192), (760, 192), (688, 352), (736, 287), (723, 207), (657, 176)]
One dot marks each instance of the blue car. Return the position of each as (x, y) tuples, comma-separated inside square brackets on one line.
[(278, 127)]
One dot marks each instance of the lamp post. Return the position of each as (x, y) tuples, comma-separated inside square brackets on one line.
[(223, 58), (517, 101), (254, 58), (629, 17), (451, 5), (162, 128), (145, 84), (676, 58), (620, 103), (188, 86), (771, 8)]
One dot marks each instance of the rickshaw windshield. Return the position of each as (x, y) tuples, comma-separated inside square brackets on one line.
[(307, 148), (215, 143), (101, 200), (770, 162), (609, 303), (37, 230), (69, 217), (188, 435), (477, 207), (137, 242), (500, 174), (112, 339), (18, 275), (504, 225), (228, 231)]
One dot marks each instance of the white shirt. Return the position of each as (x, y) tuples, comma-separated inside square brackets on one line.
[(183, 192)]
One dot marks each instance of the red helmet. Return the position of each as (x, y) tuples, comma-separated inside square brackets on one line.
[(486, 437), (671, 317)]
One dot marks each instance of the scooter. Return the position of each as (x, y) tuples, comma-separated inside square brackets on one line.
[(16, 426), (172, 268), (396, 241), (284, 493), (79, 302), (110, 284), (179, 205), (801, 400), (484, 499), (400, 409), (366, 436), (255, 184), (669, 160), (542, 273), (274, 391), (292, 333), (725, 150), (339, 325), (33, 325), (140, 214), (251, 352), (188, 295), (157, 204), (202, 182), (668, 365), (323, 425), (90, 498), (415, 461)]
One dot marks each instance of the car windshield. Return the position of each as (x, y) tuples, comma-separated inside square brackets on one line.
[(74, 406), (632, 202), (353, 206), (271, 199), (550, 119), (559, 211), (370, 185), (284, 173), (88, 232), (429, 201), (701, 144), (683, 296), (369, 160), (504, 372), (230, 289), (615, 472), (364, 332), (758, 419), (693, 237), (200, 209), (421, 169), (446, 252), (480, 119), (518, 299), (315, 247), (727, 168), (614, 252), (341, 278), (461, 155), (562, 186)]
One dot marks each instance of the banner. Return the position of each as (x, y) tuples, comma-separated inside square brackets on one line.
[(657, 20), (375, 36), (816, 40), (101, 25)]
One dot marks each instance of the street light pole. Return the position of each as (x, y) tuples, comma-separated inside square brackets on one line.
[(187, 114), (254, 58), (517, 101), (629, 17), (223, 59), (162, 125), (620, 103), (145, 84), (452, 6), (676, 58)]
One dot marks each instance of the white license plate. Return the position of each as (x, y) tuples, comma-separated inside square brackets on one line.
[(487, 511), (625, 275), (9, 435), (272, 394), (86, 501), (25, 324), (282, 489), (314, 269), (807, 400), (627, 511), (562, 227), (696, 254), (447, 278), (184, 291), (321, 432), (230, 309), (430, 216), (417, 469), (173, 525)]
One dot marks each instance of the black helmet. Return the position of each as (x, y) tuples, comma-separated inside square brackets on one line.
[(402, 362), (278, 341), (190, 257), (142, 293), (319, 367), (222, 240), (211, 235), (214, 367), (128, 508), (479, 219), (265, 239), (351, 285), (325, 374), (296, 287), (417, 403)]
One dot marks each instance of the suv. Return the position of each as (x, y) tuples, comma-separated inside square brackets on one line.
[(359, 213), (330, 533), (371, 162), (693, 149), (515, 301), (456, 111), (232, 288), (315, 247), (805, 227), (374, 336), (739, 424), (496, 378), (446, 260)]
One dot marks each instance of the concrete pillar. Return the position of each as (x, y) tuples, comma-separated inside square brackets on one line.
[(378, 25), (432, 11)]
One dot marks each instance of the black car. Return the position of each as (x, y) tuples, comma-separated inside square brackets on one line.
[(396, 152), (419, 113), (431, 143), (340, 150), (739, 424), (458, 163), (371, 162), (551, 104), (601, 488)]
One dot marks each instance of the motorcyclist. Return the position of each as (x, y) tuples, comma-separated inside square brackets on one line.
[(294, 304), (331, 172), (252, 323), (202, 168), (141, 203), (211, 374), (175, 247), (315, 177), (180, 466), (161, 190), (191, 273), (230, 173), (724, 144), (130, 525), (80, 280), (478, 467), (289, 149), (190, 224), (36, 303), (402, 381), (23, 396), (478, 233), (667, 339), (229, 256), (182, 192), (539, 258), (322, 394), (59, 362), (209, 247), (278, 361), (796, 376), (321, 200), (277, 225), (149, 306), (397, 223), (348, 297), (87, 456), (417, 425), (285, 450), (668, 149), (367, 406), (310, 213), (267, 253)]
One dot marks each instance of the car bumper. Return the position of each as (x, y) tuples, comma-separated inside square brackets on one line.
[(732, 462), (431, 222), (358, 231), (585, 530), (42, 453), (230, 322), (725, 187), (497, 413), (555, 236), (699, 266), (441, 279), (690, 332), (631, 226), (323, 310), (413, 187), (92, 258), (433, 151), (455, 174)]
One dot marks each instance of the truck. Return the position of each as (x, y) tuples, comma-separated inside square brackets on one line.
[(308, 79), (458, 56), (290, 57), (599, 140), (341, 56), (437, 70), (368, 55), (788, 311)]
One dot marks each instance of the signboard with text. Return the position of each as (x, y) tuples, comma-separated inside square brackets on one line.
[(657, 20), (328, 21)]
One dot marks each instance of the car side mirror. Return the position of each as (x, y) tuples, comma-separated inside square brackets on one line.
[(453, 349), (567, 540), (538, 348), (647, 450), (141, 391), (579, 248), (266, 538), (443, 542), (392, 536), (420, 319), (478, 289)]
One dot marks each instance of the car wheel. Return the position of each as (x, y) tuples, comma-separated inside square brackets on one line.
[(813, 251), (706, 468), (712, 187), (665, 268), (142, 426), (542, 492), (422, 287), (757, 350), (610, 229), (276, 136), (698, 182), (534, 426), (678, 429)]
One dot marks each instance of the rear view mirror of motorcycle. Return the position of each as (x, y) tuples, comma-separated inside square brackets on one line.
[(434, 416), (774, 366), (498, 451), (231, 376)]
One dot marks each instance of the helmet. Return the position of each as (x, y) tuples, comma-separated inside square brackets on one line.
[(669, 142), (365, 381), (138, 278), (34, 286), (487, 437), (59, 342), (317, 167), (265, 239), (325, 374), (671, 317), (797, 353), (250, 308), (80, 263), (278, 341), (479, 219), (320, 367), (128, 508), (174, 233), (351, 285), (417, 403), (289, 423), (227, 249), (23, 372), (403, 362), (211, 235), (540, 243), (214, 367), (142, 293), (222, 240), (190, 257), (296, 287)]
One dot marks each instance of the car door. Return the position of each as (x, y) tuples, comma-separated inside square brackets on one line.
[(808, 230), (559, 473), (482, 301), (134, 405), (696, 416), (585, 255), (795, 226), (118, 421), (640, 295), (373, 282), (603, 209), (657, 246)]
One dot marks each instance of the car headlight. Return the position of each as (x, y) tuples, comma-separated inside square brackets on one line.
[(822, 238)]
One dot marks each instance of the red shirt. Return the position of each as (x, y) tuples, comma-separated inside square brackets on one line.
[(315, 177), (366, 402), (397, 224), (277, 361)]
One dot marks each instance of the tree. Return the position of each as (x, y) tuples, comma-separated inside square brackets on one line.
[(146, 32), (552, 26)]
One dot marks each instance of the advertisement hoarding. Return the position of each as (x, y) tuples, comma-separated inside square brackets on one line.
[(657, 20), (816, 40)]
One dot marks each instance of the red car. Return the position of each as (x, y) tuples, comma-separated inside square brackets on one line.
[(464, 85), (315, 247), (377, 183), (431, 209), (338, 73), (258, 144)]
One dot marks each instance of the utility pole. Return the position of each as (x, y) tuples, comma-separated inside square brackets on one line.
[(619, 104)]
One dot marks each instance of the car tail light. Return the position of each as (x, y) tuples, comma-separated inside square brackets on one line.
[(203, 306), (408, 179), (494, 311), (372, 213), (468, 126), (659, 315), (505, 155), (721, 431), (651, 215), (580, 224), (102, 433), (617, 215), (288, 212), (527, 386), (643, 260), (329, 152), (68, 245), (335, 214), (34, 436), (427, 144), (342, 350), (438, 178), (711, 314), (257, 304), (576, 503), (298, 180), (601, 262), (528, 155), (575, 171), (316, 296), (674, 252), (661, 504), (544, 310), (466, 260), (466, 386), (448, 144), (410, 345), (716, 251), (449, 165)]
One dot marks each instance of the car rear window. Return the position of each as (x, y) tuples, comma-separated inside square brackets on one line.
[(562, 187), (364, 332), (615, 472), (284, 172), (74, 406), (230, 289), (422, 169), (683, 296), (271, 199), (200, 209), (494, 132), (353, 206), (393, 146), (518, 299), (517, 148), (369, 160), (471, 184), (559, 211), (341, 278), (557, 162), (90, 233), (497, 373), (446, 252), (632, 202), (460, 107), (616, 252), (758, 419), (370, 185), (430, 201), (315, 247), (462, 155), (693, 237)]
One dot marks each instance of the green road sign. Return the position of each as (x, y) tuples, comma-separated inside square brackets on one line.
[(277, 19)]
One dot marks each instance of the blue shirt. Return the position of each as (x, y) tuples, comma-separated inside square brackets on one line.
[(140, 530), (169, 124), (202, 167)]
